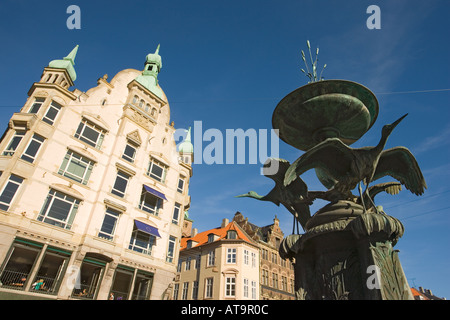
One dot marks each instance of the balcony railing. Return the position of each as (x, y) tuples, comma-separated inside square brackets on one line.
[(19, 280)]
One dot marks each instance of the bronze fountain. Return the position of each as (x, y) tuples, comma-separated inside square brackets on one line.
[(346, 250)]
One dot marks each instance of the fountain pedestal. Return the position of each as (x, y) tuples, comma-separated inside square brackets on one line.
[(346, 254)]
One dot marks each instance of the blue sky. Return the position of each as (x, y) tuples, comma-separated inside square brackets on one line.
[(229, 63)]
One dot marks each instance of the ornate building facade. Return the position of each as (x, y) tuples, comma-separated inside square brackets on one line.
[(276, 274), (92, 189)]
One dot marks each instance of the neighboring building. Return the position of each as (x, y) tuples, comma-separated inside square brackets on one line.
[(92, 188), (424, 294), (276, 274), (218, 264)]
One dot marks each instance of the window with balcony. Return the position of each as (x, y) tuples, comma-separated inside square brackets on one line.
[(21, 262), (142, 242), (14, 143), (150, 203), (90, 276)]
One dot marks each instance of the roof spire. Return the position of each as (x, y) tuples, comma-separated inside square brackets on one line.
[(66, 63), (71, 56)]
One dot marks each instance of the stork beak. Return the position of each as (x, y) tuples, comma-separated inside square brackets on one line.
[(398, 121)]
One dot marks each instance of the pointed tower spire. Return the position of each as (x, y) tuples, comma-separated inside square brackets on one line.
[(149, 77), (71, 56), (186, 146), (66, 63)]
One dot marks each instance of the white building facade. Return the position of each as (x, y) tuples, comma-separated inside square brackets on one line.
[(92, 189)]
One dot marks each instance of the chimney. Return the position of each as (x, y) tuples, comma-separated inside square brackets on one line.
[(194, 232), (421, 289), (224, 223)]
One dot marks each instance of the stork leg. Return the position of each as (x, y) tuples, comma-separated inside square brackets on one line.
[(361, 196), (370, 199)]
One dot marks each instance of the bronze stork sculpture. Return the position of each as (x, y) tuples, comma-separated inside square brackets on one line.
[(293, 197), (348, 167)]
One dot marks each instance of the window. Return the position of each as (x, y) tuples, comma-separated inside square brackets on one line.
[(142, 242), (76, 167), (180, 262), (150, 203), (176, 288), (209, 288), (109, 224), (245, 288), (36, 105), (59, 209), (9, 191), (253, 260), (90, 133), (246, 257), (211, 258), (184, 292), (90, 276), (230, 286), (33, 148), (284, 283), (180, 185), (135, 99), (195, 290), (197, 262), (176, 213), (275, 280), (253, 289), (12, 146), (187, 266), (265, 277), (123, 278), (52, 113), (157, 170), (129, 153), (231, 255), (120, 185), (171, 249), (142, 285)]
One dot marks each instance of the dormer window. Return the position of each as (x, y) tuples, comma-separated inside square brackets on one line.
[(231, 234), (210, 237)]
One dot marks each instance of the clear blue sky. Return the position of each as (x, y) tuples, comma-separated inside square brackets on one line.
[(228, 64)]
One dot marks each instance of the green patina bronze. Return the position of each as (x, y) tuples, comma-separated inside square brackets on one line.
[(325, 109), (351, 237), (66, 63)]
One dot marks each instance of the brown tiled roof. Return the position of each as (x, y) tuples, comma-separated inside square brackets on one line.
[(202, 237)]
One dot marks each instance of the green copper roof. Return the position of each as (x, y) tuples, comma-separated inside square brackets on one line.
[(66, 63), (186, 146), (149, 77)]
